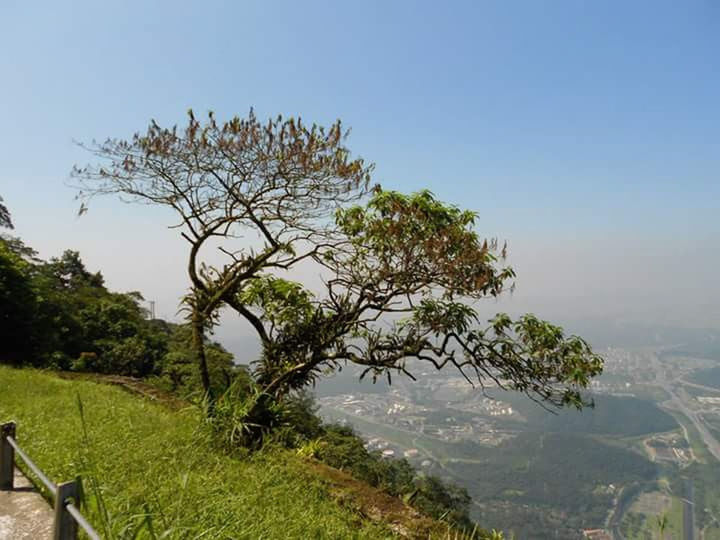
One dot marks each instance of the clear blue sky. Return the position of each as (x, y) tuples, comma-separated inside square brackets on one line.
[(590, 129)]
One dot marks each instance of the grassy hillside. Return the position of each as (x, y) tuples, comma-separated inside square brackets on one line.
[(159, 475)]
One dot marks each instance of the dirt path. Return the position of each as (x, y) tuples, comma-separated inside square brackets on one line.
[(24, 514), (130, 384)]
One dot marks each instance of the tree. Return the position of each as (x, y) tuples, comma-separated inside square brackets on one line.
[(662, 524), (17, 299), (64, 291), (280, 180), (113, 327), (70, 272), (403, 271), (5, 220), (178, 371), (418, 258), (58, 314)]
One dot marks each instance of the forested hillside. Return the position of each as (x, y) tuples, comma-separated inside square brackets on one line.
[(59, 315), (639, 417)]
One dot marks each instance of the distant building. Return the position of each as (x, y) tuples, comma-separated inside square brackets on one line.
[(411, 453)]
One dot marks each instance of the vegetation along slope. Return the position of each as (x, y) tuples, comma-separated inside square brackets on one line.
[(152, 471)]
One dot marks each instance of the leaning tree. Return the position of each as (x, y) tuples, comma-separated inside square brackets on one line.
[(281, 180), (402, 273)]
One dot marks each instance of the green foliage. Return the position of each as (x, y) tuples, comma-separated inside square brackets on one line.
[(394, 229), (178, 370), (412, 256), (662, 524), (540, 485), (241, 417), (68, 319), (300, 411), (282, 301), (19, 307), (341, 448), (5, 220), (57, 314), (639, 417)]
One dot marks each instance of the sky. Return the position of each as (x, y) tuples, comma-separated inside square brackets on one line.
[(586, 134)]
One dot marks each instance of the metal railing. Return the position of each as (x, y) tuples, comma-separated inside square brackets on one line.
[(67, 495)]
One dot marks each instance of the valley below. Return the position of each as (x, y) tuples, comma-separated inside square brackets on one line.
[(645, 458)]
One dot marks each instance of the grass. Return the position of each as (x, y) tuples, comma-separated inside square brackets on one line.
[(675, 518), (646, 521), (159, 476)]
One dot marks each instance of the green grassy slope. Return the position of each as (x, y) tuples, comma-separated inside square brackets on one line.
[(149, 460)]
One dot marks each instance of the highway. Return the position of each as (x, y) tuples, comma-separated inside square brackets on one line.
[(688, 514), (678, 404)]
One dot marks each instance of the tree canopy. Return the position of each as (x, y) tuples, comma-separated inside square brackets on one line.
[(414, 257), (403, 272), (278, 181)]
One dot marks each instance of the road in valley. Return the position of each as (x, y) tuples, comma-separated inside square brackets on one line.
[(710, 389), (676, 403), (688, 513)]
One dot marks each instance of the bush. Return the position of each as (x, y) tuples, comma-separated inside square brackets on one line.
[(342, 448)]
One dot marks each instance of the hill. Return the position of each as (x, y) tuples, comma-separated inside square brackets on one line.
[(152, 471), (639, 416)]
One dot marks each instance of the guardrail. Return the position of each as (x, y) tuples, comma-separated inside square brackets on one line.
[(67, 495)]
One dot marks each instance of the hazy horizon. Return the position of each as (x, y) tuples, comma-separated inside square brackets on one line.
[(587, 136)]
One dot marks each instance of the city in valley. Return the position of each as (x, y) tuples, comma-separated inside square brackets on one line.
[(657, 417)]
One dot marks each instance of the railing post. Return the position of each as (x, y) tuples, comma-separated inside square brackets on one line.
[(7, 456), (65, 527)]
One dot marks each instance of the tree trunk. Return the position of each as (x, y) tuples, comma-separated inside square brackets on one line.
[(199, 349)]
